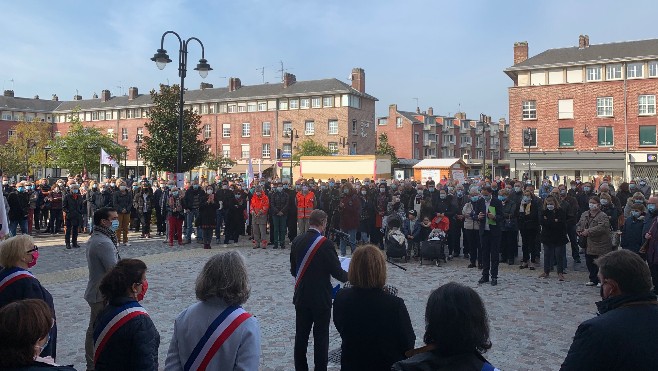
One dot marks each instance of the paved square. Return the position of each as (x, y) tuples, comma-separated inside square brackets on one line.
[(532, 320)]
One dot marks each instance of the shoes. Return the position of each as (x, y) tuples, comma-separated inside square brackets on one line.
[(75, 245), (510, 262), (206, 246), (543, 275), (560, 277), (255, 247), (142, 236), (483, 280), (576, 261), (466, 256), (275, 247), (225, 245), (480, 266), (523, 266), (471, 266), (598, 284), (283, 246), (590, 283), (494, 281), (450, 257), (68, 246)]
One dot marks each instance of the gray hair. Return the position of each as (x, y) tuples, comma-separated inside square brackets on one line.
[(224, 276)]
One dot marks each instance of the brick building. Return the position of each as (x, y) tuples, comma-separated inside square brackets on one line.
[(424, 135), (585, 111), (239, 121)]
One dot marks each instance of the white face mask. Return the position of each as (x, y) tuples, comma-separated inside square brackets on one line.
[(209, 191)]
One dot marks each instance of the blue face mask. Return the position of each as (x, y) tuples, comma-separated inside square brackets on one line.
[(502, 198), (174, 193), (21, 189), (115, 225), (651, 208), (46, 343), (196, 186), (431, 189), (475, 198), (443, 196), (526, 199), (74, 191), (487, 198), (635, 214), (638, 201), (460, 193)]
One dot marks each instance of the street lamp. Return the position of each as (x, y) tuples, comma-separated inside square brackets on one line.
[(483, 120), (161, 58), (138, 142), (288, 134), (46, 149), (528, 137)]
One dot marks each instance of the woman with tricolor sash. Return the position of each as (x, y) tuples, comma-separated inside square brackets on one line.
[(17, 255), (216, 333), (125, 337)]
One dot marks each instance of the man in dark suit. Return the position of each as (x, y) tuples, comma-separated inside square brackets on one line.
[(313, 289), (489, 209)]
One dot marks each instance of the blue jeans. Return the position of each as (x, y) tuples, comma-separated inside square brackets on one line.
[(189, 224), (352, 233), (13, 225), (220, 220)]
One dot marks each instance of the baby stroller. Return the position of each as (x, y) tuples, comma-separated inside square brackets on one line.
[(395, 242), (434, 247)]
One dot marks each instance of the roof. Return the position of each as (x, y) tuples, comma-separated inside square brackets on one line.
[(27, 104), (407, 161), (411, 116), (437, 162), (612, 52), (263, 91)]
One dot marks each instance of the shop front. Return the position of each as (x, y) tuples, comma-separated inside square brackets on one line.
[(644, 165)]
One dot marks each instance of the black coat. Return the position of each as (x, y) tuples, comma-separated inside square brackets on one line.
[(632, 237), (207, 215), (375, 329), (73, 206), (18, 204), (134, 346), (554, 227), (530, 221), (40, 366), (623, 337), (430, 361), (481, 207), (314, 290)]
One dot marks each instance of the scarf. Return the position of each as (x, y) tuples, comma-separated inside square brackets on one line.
[(107, 232), (624, 300)]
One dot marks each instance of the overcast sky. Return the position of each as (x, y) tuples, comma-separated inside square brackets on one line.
[(448, 54)]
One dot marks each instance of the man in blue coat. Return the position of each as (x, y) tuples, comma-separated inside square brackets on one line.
[(489, 209)]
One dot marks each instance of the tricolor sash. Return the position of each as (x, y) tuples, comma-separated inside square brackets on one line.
[(310, 253), (218, 332), (13, 277), (112, 322)]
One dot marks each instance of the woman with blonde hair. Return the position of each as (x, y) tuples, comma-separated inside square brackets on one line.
[(373, 323)]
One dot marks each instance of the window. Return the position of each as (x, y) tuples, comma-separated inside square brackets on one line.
[(262, 106), (207, 131), (304, 103), (57, 134), (605, 136), (647, 105), (124, 133), (593, 73), (108, 115), (226, 130), (354, 127), (245, 151), (140, 133), (195, 108), (529, 137), (613, 72), (226, 150), (294, 103), (398, 122), (333, 127), (283, 104), (529, 110), (267, 129), (122, 113), (565, 109), (287, 149), (10, 134), (416, 137), (449, 138), (287, 127), (212, 108), (604, 107), (266, 150), (101, 115), (94, 116), (648, 135), (328, 101), (353, 150), (653, 69), (222, 108), (251, 107), (316, 102), (7, 116), (634, 70), (382, 121), (232, 108), (565, 137), (204, 109), (309, 128), (130, 114), (355, 102), (333, 147), (246, 130), (242, 107)]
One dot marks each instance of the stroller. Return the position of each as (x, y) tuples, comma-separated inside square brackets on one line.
[(395, 242), (434, 247)]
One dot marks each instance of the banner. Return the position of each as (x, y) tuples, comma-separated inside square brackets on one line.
[(106, 159), (4, 230)]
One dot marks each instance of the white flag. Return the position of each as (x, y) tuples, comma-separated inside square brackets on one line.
[(106, 159), (3, 216)]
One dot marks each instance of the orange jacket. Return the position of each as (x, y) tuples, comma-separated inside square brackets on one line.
[(260, 205), (305, 204), (443, 224)]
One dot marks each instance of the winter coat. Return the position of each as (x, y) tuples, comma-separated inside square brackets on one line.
[(530, 220), (554, 227), (122, 201), (350, 211), (631, 236), (406, 229), (598, 226), (193, 198), (510, 214), (470, 217), (445, 206), (73, 207), (207, 214), (279, 203), (571, 210), (18, 203), (612, 212), (260, 205), (142, 205)]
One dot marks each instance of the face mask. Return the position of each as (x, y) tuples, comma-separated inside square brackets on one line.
[(304, 189), (443, 196), (346, 191), (487, 197), (450, 189), (174, 193), (393, 186), (526, 199), (237, 197), (5, 182), (573, 188), (21, 189), (586, 189), (123, 188), (115, 224), (35, 256), (460, 194), (258, 194), (135, 188), (420, 192), (593, 206), (145, 287), (632, 186), (475, 198), (364, 192), (74, 191), (550, 206), (382, 190), (431, 189), (635, 214), (517, 189), (285, 186), (642, 184), (563, 192), (279, 189), (196, 186), (502, 198), (494, 188), (604, 201), (209, 191), (651, 208), (638, 201)]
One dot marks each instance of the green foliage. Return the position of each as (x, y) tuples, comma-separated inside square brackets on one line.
[(385, 148), (160, 148), (219, 162), (24, 151), (309, 147), (80, 148)]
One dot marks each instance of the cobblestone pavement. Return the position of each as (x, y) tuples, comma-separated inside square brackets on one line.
[(532, 320)]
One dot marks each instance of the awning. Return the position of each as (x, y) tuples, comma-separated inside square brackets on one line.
[(242, 168)]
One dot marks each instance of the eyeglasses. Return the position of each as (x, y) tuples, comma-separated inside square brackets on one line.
[(35, 248)]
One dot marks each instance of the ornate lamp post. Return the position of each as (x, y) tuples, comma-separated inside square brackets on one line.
[(289, 134)]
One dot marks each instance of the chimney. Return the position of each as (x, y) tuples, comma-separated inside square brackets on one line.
[(460, 115), (359, 79), (105, 95), (36, 97), (205, 85), (502, 121), (95, 96), (583, 41), (9, 93), (520, 51), (417, 109), (77, 97), (132, 93), (430, 111), (55, 98), (288, 79), (234, 84)]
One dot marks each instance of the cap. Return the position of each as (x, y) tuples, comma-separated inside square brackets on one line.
[(412, 212)]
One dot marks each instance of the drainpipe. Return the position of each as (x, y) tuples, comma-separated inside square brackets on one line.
[(627, 162)]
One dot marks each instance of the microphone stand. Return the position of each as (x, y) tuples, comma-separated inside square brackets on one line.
[(353, 247)]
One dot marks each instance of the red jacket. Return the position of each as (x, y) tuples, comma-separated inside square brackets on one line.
[(259, 205), (443, 224)]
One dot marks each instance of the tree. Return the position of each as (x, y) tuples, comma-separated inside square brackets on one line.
[(219, 162), (25, 147), (309, 147), (80, 148), (160, 148), (385, 148)]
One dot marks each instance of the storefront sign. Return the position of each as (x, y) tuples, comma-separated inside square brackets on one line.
[(652, 157)]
